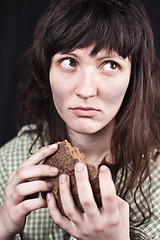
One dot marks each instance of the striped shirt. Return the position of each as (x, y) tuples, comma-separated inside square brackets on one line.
[(39, 224)]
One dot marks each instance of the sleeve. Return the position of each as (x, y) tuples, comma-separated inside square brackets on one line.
[(150, 229), (11, 156), (4, 177), (4, 173), (135, 234)]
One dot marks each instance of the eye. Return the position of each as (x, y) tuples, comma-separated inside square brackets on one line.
[(68, 63), (110, 66)]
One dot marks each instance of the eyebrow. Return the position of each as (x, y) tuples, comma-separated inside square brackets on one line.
[(69, 53), (111, 56), (99, 59)]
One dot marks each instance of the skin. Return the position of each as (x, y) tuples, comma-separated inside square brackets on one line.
[(16, 206), (87, 92), (109, 222), (158, 160)]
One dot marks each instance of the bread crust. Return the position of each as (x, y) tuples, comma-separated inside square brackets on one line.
[(65, 159)]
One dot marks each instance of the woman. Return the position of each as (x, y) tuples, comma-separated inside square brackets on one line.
[(92, 78)]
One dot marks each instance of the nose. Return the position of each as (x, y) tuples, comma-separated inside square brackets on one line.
[(86, 87)]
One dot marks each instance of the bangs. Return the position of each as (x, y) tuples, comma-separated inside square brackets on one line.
[(103, 24)]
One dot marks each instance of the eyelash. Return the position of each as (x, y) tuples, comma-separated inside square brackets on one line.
[(101, 66), (111, 63), (68, 58)]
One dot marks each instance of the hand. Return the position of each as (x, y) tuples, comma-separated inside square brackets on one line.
[(110, 222), (21, 194)]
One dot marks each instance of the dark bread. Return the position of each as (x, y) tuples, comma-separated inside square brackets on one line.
[(64, 159)]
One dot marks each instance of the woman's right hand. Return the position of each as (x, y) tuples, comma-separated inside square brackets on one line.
[(21, 193)]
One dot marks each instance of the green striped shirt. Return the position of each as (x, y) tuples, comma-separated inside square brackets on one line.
[(39, 224)]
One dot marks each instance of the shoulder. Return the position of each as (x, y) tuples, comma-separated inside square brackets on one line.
[(151, 187), (155, 175), (151, 228)]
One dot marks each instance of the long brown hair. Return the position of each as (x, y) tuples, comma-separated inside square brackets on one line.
[(118, 25)]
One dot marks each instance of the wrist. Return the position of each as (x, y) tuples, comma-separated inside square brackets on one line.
[(4, 234)]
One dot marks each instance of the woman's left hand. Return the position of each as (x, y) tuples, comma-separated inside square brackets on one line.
[(110, 222)]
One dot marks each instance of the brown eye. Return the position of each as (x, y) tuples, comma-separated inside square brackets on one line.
[(72, 63), (110, 66), (113, 66), (68, 63)]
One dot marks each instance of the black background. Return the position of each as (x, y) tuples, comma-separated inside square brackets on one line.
[(17, 21)]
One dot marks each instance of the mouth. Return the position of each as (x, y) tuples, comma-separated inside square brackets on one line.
[(84, 111)]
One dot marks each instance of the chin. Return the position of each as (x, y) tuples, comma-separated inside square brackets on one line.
[(85, 130)]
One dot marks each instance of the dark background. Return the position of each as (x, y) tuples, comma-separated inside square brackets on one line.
[(17, 21)]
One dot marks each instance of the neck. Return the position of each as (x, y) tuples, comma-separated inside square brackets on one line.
[(95, 146)]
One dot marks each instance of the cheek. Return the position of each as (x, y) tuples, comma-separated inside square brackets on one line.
[(56, 90), (59, 83), (60, 95), (57, 96), (56, 85), (115, 93)]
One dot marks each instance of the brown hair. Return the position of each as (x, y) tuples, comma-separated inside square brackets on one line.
[(119, 25)]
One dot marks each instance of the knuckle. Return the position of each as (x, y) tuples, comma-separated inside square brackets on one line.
[(86, 234), (12, 214), (123, 204), (82, 234), (108, 197), (25, 206), (99, 229), (18, 190), (7, 191), (20, 173), (87, 203), (69, 214), (114, 220), (78, 235), (10, 176), (57, 220)]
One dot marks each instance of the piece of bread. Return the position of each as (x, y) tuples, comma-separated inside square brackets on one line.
[(64, 159)]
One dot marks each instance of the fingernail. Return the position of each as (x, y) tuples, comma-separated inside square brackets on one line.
[(103, 168), (63, 178), (53, 146), (48, 197), (79, 166), (54, 169), (49, 184)]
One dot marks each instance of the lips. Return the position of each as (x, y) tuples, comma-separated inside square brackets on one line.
[(84, 111)]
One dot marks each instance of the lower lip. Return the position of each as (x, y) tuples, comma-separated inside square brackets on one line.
[(84, 112)]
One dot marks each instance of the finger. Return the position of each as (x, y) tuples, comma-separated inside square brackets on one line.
[(108, 191), (10, 177), (71, 211), (123, 206), (30, 205), (24, 174), (58, 218), (85, 191), (29, 188), (40, 155)]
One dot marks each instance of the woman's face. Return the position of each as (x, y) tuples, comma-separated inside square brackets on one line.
[(88, 90)]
